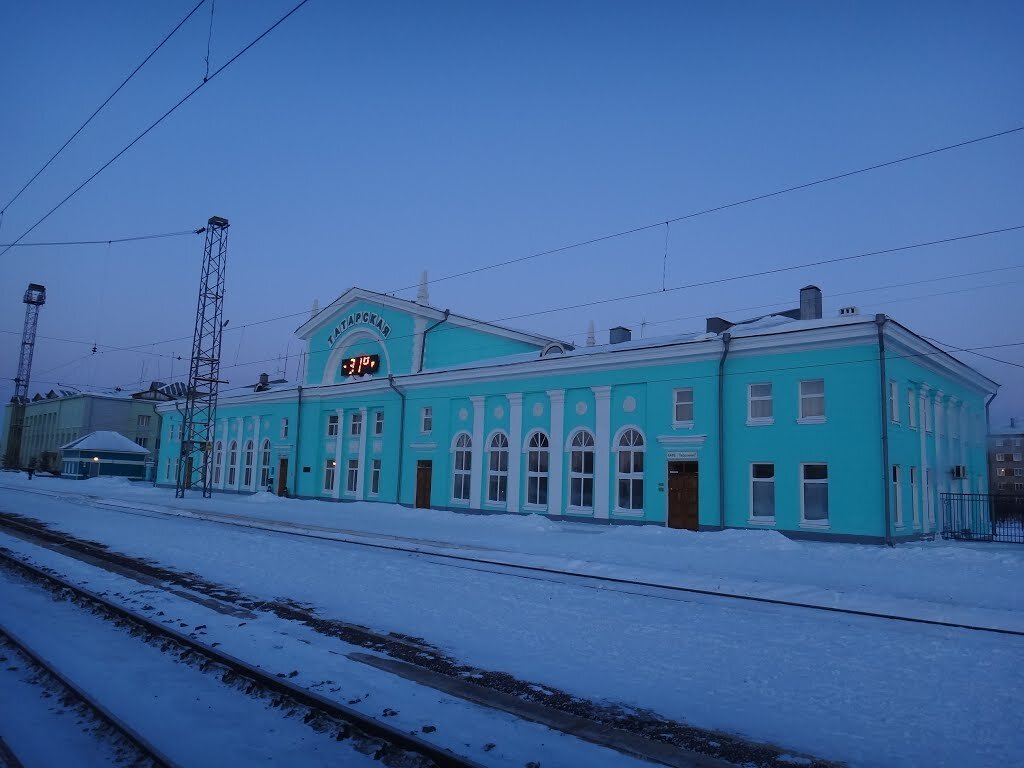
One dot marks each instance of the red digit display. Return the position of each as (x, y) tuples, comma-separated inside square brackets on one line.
[(360, 365)]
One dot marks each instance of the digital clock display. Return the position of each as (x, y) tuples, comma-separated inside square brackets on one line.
[(361, 365)]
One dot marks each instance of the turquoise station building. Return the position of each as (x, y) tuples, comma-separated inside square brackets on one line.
[(844, 428)]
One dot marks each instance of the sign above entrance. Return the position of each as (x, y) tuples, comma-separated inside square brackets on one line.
[(681, 455), (360, 318)]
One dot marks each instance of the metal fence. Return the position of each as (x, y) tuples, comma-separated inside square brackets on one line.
[(983, 517)]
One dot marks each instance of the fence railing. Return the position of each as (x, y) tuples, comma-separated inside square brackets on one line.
[(983, 517)]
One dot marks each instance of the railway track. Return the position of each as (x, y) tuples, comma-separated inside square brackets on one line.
[(368, 735)]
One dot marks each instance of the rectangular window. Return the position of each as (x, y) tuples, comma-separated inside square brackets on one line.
[(911, 409), (1001, 472), (913, 497), (814, 499), (1018, 443), (1000, 443), (378, 423), (1016, 456), (332, 426), (375, 477), (143, 421), (1018, 473), (682, 400), (142, 441), (356, 425), (330, 470), (759, 404), (897, 495), (999, 456), (812, 400), (1018, 486), (426, 419), (353, 475), (762, 493), (284, 428), (894, 402)]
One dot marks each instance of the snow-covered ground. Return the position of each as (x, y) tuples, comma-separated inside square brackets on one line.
[(859, 690)]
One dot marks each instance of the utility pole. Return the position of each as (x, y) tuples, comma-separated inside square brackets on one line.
[(200, 419), (35, 297)]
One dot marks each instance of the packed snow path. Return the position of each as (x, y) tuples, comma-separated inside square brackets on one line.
[(845, 688)]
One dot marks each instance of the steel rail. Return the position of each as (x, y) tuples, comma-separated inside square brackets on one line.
[(363, 724), (147, 750)]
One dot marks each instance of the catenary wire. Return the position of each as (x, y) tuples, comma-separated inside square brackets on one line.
[(101, 106), (154, 124), (105, 242)]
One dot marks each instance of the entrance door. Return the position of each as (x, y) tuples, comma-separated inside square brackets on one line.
[(282, 476), (424, 470), (682, 494), (188, 472)]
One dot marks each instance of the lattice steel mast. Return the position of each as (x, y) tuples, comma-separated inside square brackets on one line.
[(204, 373), (35, 297)]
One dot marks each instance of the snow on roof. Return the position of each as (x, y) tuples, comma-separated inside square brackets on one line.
[(1016, 428), (104, 441)]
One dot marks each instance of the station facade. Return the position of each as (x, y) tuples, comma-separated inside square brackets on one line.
[(843, 428)]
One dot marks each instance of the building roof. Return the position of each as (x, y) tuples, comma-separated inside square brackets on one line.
[(106, 442)]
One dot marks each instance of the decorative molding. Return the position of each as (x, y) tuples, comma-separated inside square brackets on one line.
[(695, 440)]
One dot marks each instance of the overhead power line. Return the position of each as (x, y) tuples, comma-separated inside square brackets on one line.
[(105, 242), (155, 123), (717, 208), (101, 106)]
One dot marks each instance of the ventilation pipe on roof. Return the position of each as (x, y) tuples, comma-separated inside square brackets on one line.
[(313, 310), (619, 334), (810, 303), (423, 295), (591, 341), (883, 398), (717, 325)]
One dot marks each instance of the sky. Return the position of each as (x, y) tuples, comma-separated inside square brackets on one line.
[(360, 143)]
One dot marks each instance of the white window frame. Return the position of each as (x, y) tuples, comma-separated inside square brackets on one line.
[(676, 403), (804, 522), (801, 397), (355, 425), (142, 421), (756, 421), (626, 443), (378, 423), (911, 408), (896, 481), (582, 441), (1001, 472), (894, 402), (999, 456), (426, 419), (352, 477), (264, 462), (761, 519), (284, 428), (332, 425), (1018, 487), (915, 507), (1017, 456), (375, 477), (462, 477), (232, 462), (1018, 472), (537, 445), (330, 475), (497, 474), (247, 468)]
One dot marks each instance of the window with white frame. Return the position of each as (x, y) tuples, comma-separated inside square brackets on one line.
[(355, 427), (284, 428), (265, 464), (1000, 443), (330, 473), (760, 407), (762, 493), (378, 423), (427, 420), (894, 402), (462, 467), (629, 471), (332, 425), (218, 462), (1016, 456), (911, 409), (1018, 472), (247, 475), (913, 497), (581, 471), (1002, 472), (814, 494), (682, 406), (1000, 457), (1001, 486), (497, 469), (537, 455), (897, 495), (352, 480), (232, 462), (141, 441), (375, 477), (1018, 486), (167, 470), (143, 420), (1018, 443), (812, 400)]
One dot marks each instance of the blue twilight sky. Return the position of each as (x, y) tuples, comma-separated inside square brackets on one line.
[(362, 142)]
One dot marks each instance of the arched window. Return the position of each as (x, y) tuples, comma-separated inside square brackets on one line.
[(218, 461), (462, 467), (265, 464), (537, 470), (630, 471), (232, 462), (581, 471), (247, 475), (497, 469)]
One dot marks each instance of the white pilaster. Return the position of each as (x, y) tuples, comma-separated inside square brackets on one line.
[(557, 407), (515, 448), (926, 502), (240, 455), (257, 454), (476, 476), (224, 438), (602, 455), (965, 482), (940, 456), (340, 472), (361, 458), (419, 326)]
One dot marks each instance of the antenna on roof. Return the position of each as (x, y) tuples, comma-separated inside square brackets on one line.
[(423, 295), (591, 341)]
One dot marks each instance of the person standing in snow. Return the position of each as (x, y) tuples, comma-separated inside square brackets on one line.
[(32, 468)]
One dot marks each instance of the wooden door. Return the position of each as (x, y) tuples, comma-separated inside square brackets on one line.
[(682, 495), (282, 477), (424, 470)]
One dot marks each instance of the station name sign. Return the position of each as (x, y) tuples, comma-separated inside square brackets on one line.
[(360, 318)]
